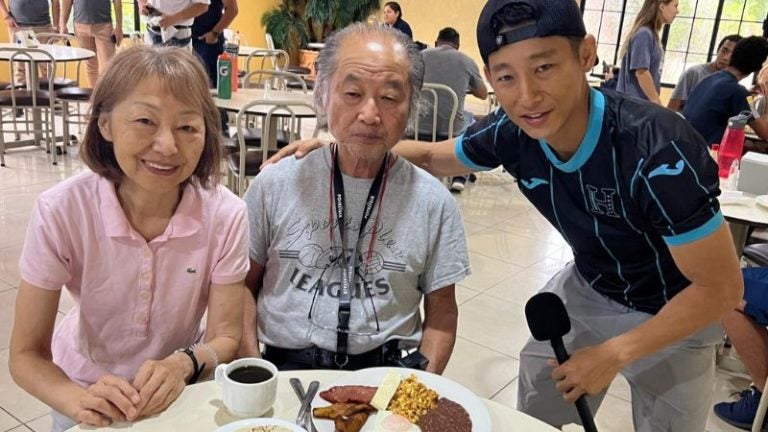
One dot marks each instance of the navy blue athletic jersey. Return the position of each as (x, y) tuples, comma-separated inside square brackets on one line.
[(640, 181)]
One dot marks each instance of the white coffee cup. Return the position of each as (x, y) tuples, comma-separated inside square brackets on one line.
[(247, 400)]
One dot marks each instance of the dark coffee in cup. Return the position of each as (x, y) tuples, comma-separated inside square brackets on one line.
[(250, 374)]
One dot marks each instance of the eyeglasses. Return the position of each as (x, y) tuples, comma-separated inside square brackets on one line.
[(324, 308)]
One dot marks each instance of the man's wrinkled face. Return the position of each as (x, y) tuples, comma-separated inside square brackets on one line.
[(369, 96)]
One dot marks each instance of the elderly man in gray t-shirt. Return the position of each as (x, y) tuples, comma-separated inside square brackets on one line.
[(348, 241), (694, 74), (29, 15)]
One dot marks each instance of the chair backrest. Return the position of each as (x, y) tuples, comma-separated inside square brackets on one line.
[(63, 40), (449, 96), (286, 109), (31, 56), (270, 42), (276, 57), (277, 80)]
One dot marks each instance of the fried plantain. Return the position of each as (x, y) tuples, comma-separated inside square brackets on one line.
[(351, 423)]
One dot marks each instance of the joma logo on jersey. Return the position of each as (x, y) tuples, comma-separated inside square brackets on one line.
[(602, 201)]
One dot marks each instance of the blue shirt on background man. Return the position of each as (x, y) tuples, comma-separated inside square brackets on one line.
[(713, 101)]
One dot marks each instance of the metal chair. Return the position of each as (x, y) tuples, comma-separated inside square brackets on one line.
[(68, 91), (275, 56), (245, 162), (299, 70), (277, 80), (432, 89), (62, 81), (757, 254), (39, 101)]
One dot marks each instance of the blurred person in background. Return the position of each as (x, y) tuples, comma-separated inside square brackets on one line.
[(30, 15), (393, 17), (641, 54), (720, 96), (445, 64), (94, 31), (694, 74)]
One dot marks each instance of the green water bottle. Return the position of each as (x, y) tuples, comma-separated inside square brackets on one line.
[(224, 68)]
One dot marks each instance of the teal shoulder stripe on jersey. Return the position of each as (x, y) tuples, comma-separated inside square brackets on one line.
[(458, 149), (590, 140), (698, 233)]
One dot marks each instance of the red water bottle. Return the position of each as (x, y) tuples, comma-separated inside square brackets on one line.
[(732, 144)]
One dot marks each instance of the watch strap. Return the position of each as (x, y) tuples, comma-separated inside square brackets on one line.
[(197, 369)]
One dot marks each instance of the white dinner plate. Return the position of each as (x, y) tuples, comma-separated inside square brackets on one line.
[(478, 413), (253, 422), (762, 200)]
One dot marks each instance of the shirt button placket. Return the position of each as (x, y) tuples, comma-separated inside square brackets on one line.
[(145, 293)]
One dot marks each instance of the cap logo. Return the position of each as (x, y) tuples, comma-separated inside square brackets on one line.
[(499, 40)]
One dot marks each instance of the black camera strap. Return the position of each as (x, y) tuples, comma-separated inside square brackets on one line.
[(349, 259)]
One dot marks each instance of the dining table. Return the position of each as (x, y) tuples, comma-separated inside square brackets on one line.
[(200, 408), (742, 211), (244, 96), (60, 54)]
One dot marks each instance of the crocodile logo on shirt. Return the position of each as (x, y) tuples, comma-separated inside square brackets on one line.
[(533, 183), (665, 170)]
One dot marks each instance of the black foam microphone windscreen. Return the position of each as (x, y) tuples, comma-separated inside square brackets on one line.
[(547, 317), (549, 321)]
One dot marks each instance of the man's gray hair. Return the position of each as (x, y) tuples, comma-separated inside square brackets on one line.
[(327, 64)]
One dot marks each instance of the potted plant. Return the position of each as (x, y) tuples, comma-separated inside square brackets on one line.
[(294, 23)]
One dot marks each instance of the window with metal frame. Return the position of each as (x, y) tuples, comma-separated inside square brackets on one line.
[(691, 39)]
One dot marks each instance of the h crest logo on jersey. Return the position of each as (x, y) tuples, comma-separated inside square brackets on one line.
[(602, 201)]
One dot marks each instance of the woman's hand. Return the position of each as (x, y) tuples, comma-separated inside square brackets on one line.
[(110, 399), (11, 22), (160, 382)]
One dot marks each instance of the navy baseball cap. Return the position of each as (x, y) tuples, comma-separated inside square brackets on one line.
[(539, 18)]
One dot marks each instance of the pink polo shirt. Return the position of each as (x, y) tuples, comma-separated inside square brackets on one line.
[(135, 300)]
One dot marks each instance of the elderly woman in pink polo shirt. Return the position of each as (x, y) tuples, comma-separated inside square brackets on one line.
[(145, 242)]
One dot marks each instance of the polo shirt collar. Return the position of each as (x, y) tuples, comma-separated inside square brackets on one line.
[(186, 221)]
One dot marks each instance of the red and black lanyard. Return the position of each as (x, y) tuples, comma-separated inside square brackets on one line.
[(349, 260)]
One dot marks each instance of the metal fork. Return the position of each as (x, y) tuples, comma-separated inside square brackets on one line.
[(304, 417)]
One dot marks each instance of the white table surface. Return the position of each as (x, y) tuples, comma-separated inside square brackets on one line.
[(745, 210), (742, 212), (60, 53), (243, 96), (199, 408)]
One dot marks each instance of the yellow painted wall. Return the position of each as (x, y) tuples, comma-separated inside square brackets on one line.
[(427, 18), (248, 21)]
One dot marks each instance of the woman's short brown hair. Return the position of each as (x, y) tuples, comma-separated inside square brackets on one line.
[(182, 74)]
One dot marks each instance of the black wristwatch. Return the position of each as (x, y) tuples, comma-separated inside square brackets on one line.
[(197, 370)]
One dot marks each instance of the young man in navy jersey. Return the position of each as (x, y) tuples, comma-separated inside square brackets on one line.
[(631, 188)]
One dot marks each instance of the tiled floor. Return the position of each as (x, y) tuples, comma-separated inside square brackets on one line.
[(513, 251)]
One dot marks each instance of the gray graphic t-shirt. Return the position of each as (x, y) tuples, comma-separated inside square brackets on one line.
[(419, 247)]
